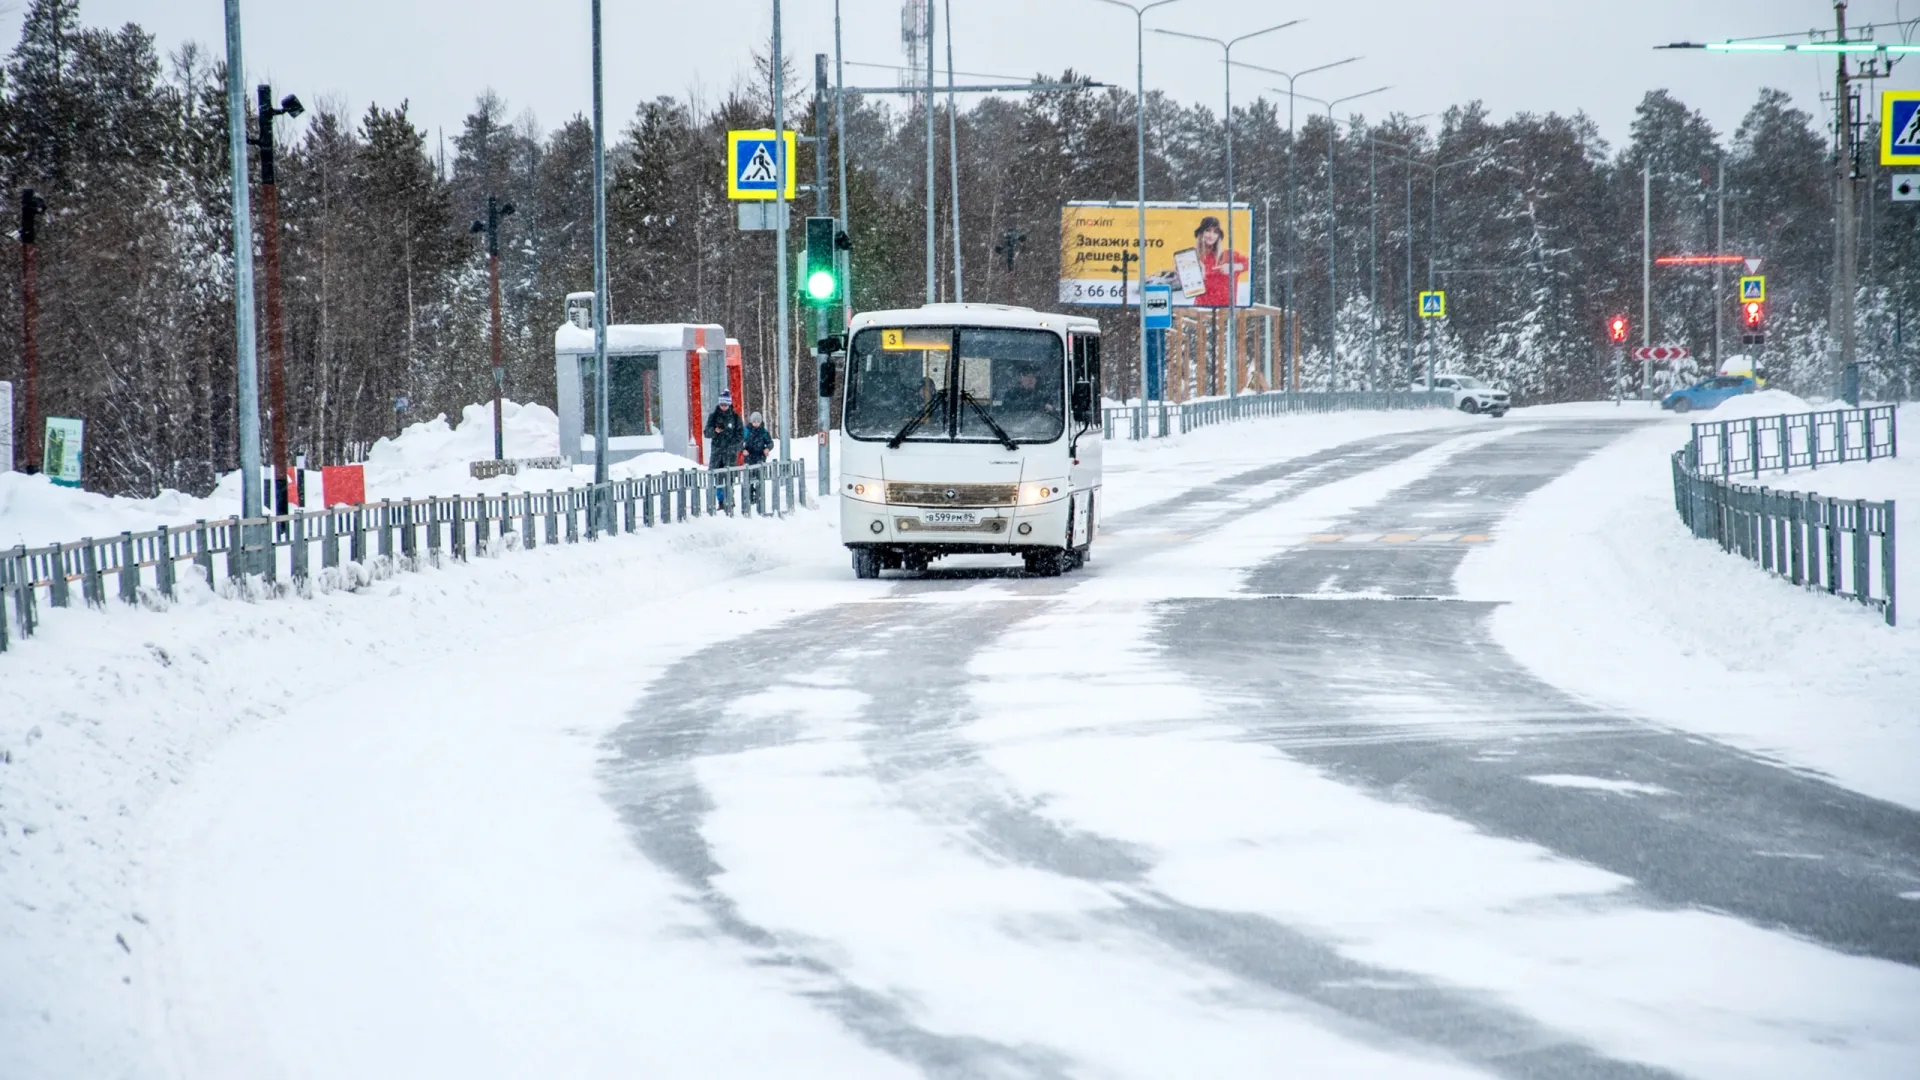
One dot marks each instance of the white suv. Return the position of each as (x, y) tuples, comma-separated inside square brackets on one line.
[(1470, 395)]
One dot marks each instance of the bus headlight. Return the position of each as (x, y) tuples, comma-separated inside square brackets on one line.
[(1034, 492), (863, 489)]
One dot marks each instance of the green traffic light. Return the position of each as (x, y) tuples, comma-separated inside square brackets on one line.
[(821, 285)]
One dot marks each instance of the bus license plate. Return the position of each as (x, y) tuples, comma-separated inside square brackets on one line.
[(950, 517)]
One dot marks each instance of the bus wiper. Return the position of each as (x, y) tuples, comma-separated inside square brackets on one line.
[(918, 419), (1005, 439)]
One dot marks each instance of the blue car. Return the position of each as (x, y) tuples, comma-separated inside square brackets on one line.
[(1708, 393)]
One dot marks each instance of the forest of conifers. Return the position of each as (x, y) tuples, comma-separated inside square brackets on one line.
[(1537, 238)]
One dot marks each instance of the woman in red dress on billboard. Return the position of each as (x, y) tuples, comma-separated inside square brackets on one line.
[(1222, 284)]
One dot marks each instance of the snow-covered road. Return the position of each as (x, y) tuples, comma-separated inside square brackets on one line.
[(1258, 792)]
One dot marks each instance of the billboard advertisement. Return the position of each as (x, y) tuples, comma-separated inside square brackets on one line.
[(1186, 250)]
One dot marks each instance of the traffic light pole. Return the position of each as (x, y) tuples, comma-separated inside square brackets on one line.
[(823, 409)]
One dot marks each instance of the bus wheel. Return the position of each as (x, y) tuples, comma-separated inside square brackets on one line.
[(866, 563), (1047, 562)]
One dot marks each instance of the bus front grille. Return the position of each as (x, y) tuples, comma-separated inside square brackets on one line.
[(953, 494)]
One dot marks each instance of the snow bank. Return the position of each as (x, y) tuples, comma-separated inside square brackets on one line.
[(427, 459), (107, 715), (1610, 597)]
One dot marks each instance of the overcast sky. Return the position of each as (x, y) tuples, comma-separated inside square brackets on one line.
[(1514, 55)]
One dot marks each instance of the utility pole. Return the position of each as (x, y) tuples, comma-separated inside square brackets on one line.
[(1719, 248), (491, 226), (1842, 371), (602, 504), (1646, 269), (31, 207), (247, 400), (823, 407), (1140, 165), (932, 217), (270, 250), (953, 162), (1373, 260), (784, 290)]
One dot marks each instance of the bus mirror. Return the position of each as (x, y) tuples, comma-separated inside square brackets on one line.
[(827, 346), (1082, 402), (826, 378)]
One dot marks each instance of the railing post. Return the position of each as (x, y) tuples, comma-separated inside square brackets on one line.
[(526, 521), (626, 498), (803, 481), (1861, 540), (409, 531), (385, 511), (93, 591), (330, 539), (553, 518), (1813, 440), (433, 529), (24, 614), (1830, 520), (357, 539), (572, 496), (1886, 559), (203, 550), (162, 568), (129, 570)]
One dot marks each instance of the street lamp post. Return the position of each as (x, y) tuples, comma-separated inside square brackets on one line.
[(1233, 287), (31, 207), (1333, 232), (247, 396), (1291, 78), (491, 226), (1140, 162)]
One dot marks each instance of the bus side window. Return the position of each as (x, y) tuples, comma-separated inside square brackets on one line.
[(1086, 378)]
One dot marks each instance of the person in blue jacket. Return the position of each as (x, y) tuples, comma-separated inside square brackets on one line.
[(759, 443)]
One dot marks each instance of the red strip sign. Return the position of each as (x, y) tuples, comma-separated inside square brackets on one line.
[(1662, 352)]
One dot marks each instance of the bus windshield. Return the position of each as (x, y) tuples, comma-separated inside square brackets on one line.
[(1008, 385)]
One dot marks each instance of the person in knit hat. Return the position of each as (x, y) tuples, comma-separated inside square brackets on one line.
[(725, 440)]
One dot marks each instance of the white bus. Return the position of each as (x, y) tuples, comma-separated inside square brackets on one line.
[(970, 429)]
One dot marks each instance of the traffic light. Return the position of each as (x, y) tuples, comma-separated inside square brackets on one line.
[(820, 281), (1753, 315), (1617, 329)]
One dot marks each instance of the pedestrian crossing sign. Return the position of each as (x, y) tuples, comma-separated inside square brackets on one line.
[(1433, 305), (754, 160), (1900, 127), (1753, 288)]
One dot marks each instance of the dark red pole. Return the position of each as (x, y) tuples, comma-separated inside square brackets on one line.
[(276, 342), (499, 369), (31, 205)]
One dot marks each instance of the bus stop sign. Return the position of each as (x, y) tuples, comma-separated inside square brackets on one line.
[(1157, 301)]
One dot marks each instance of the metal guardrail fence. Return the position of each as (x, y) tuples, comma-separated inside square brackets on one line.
[(392, 531), (1844, 547), (1163, 418), (1794, 440)]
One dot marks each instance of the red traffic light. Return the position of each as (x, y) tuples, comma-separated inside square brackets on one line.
[(1617, 328), (1754, 312)]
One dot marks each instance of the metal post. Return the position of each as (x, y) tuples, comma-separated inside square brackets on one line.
[(931, 216), (1233, 277), (1646, 268), (1266, 290), (1719, 271), (1373, 260), (247, 403), (1333, 253), (1407, 314), (31, 206), (953, 159), (494, 211), (783, 286), (600, 299), (823, 405)]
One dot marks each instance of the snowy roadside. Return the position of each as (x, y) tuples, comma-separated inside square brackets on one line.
[(1610, 597), (106, 713)]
